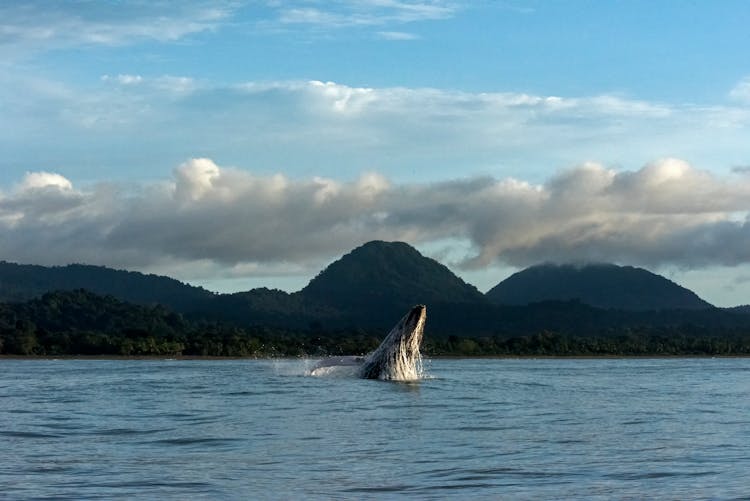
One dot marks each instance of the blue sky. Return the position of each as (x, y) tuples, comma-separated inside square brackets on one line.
[(236, 144)]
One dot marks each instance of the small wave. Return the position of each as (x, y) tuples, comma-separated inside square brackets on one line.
[(127, 431), (193, 441), (649, 475), (27, 434), (461, 486), (379, 489), (485, 428), (176, 484)]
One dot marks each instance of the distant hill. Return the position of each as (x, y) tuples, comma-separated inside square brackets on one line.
[(368, 289), (742, 309), (383, 277), (605, 286), (21, 282)]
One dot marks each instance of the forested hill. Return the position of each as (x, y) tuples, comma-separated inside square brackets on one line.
[(601, 285), (21, 282), (381, 279), (379, 270)]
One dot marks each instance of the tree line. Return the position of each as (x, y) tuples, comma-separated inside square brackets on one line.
[(82, 323)]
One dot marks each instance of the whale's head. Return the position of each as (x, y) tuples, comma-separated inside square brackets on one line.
[(398, 356), (412, 330)]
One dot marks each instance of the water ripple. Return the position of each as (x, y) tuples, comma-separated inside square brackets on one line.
[(477, 429)]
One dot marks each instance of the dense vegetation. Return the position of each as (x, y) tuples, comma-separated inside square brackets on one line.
[(83, 323)]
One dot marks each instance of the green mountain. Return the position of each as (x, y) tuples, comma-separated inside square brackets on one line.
[(605, 286), (383, 278)]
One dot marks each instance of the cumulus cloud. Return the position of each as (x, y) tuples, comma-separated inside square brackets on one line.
[(666, 213), (741, 91), (37, 180)]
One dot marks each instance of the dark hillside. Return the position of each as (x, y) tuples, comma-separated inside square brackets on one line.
[(742, 309), (605, 286), (21, 282), (380, 279)]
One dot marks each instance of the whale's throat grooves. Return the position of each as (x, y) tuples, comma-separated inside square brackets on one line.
[(398, 357)]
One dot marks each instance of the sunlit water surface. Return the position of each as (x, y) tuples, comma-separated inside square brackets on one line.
[(473, 429)]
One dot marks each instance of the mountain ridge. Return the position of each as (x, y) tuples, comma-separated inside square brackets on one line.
[(368, 287)]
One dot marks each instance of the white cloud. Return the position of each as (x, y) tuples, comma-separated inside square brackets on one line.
[(123, 79), (342, 98), (364, 13), (40, 25), (195, 179), (41, 180), (667, 213), (741, 91), (397, 35)]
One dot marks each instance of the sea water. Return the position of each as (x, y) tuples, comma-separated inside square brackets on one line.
[(471, 429)]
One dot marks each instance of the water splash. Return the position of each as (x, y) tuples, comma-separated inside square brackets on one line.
[(335, 371), (293, 367)]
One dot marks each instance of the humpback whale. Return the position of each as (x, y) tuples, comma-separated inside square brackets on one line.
[(397, 358)]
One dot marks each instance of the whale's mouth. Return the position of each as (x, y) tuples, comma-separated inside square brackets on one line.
[(415, 316)]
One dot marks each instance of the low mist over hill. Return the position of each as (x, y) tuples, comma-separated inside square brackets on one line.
[(601, 285)]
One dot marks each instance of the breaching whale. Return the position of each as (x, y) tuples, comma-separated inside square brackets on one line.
[(397, 358)]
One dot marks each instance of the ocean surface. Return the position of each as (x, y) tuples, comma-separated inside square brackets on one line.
[(472, 429)]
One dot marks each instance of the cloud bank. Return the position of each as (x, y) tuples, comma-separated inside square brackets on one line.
[(666, 213)]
